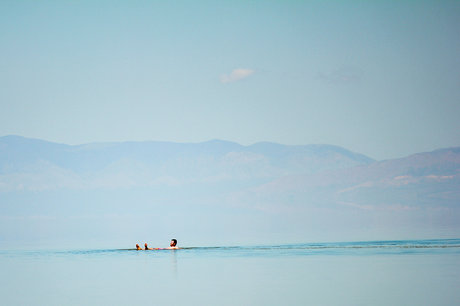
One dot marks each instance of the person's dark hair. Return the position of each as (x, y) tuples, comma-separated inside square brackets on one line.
[(175, 241)]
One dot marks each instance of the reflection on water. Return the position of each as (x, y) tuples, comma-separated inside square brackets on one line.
[(173, 257), (422, 272)]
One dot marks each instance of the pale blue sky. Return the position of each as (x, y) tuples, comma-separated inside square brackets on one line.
[(378, 77)]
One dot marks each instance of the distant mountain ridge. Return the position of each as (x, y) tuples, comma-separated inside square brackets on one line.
[(49, 190), (436, 173), (269, 171), (17, 152)]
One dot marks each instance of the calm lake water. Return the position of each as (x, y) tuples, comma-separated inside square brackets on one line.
[(422, 272)]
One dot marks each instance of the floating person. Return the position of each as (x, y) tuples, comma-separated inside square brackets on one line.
[(172, 246)]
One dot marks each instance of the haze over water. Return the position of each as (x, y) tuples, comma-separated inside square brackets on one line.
[(354, 273)]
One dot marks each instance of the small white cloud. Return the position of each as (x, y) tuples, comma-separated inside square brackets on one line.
[(236, 75)]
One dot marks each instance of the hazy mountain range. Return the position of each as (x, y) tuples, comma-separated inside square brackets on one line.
[(39, 165), (299, 184)]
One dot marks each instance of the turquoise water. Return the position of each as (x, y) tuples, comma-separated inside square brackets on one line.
[(422, 272)]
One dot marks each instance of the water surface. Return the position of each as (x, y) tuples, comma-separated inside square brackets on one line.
[(422, 272)]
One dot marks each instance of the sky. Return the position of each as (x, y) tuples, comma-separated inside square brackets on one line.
[(380, 78)]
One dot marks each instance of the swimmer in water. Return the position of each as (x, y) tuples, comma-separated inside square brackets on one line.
[(173, 244)]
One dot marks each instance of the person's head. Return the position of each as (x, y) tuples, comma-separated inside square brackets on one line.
[(173, 242)]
